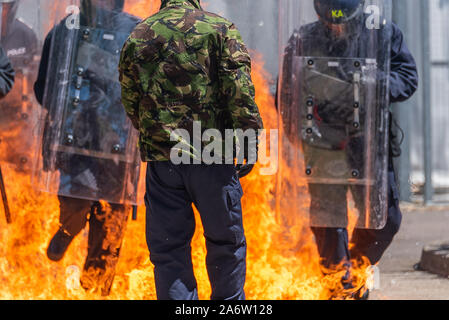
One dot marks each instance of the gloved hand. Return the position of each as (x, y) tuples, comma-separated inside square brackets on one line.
[(332, 113), (244, 170), (250, 157)]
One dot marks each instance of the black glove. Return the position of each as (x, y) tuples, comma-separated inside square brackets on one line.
[(334, 113), (244, 170), (250, 157)]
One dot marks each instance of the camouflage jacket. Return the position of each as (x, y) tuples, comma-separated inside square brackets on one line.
[(183, 65)]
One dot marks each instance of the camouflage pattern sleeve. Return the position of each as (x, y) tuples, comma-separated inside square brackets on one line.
[(237, 88), (129, 83)]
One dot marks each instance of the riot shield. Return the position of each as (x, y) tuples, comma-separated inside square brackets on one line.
[(89, 147), (334, 107), (19, 111)]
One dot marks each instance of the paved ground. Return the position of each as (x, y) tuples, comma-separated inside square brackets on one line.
[(398, 279)]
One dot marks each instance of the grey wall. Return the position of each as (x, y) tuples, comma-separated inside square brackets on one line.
[(257, 21)]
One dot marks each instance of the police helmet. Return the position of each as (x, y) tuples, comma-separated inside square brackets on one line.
[(338, 11), (10, 6)]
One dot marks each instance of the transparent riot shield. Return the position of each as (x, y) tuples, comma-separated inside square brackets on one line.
[(334, 108), (19, 111), (89, 147)]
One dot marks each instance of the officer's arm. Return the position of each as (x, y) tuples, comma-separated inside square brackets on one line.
[(6, 74), (129, 83), (39, 85), (404, 74), (237, 88)]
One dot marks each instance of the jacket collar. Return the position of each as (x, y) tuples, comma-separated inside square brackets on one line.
[(181, 3)]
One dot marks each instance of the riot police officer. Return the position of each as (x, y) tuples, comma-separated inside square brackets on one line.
[(342, 37), (90, 159), (18, 39), (18, 113)]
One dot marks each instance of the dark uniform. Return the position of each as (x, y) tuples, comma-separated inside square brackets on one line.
[(6, 74), (82, 174), (18, 113), (333, 243)]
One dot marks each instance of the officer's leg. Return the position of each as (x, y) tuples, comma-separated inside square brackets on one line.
[(373, 243), (329, 203), (355, 154), (73, 214), (328, 208), (72, 217), (332, 245), (217, 194), (107, 227), (170, 225)]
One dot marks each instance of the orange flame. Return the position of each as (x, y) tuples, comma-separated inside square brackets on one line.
[(142, 9)]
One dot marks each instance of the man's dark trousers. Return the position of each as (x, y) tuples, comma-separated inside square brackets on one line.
[(216, 192)]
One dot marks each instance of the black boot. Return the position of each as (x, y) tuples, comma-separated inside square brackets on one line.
[(58, 245), (362, 294)]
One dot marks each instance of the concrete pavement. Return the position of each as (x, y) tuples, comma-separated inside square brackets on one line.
[(398, 278)]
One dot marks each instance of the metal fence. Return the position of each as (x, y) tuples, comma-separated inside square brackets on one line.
[(439, 60), (424, 165)]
